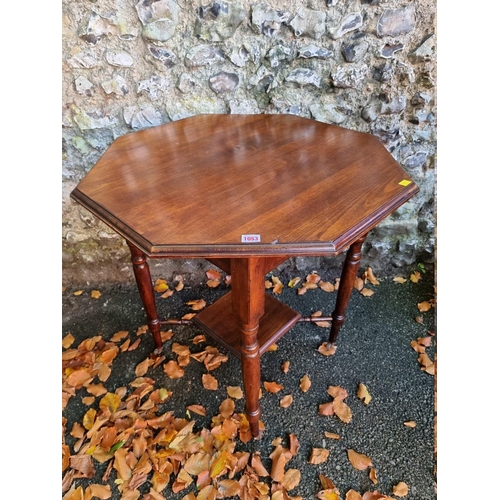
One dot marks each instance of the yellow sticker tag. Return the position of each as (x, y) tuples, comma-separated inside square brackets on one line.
[(404, 182)]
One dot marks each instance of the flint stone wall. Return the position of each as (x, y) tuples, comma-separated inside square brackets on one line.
[(367, 65)]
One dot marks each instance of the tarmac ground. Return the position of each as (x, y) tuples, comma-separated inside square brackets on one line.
[(374, 348)]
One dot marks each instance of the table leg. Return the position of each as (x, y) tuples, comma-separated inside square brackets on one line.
[(349, 271), (146, 291), (248, 294)]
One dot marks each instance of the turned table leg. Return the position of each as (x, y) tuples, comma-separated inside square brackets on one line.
[(146, 291), (349, 271), (248, 294)]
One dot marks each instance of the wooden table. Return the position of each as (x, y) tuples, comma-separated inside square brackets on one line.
[(245, 192)]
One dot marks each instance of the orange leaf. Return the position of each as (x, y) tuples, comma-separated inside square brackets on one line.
[(400, 490), (213, 283), (327, 495), (415, 277), (326, 286), (119, 336), (67, 340), (373, 476), (313, 277), (198, 409), (286, 401), (212, 274), (305, 383), (342, 410), (142, 368), (234, 392), (95, 294), (327, 349), (353, 495), (318, 455), (197, 305), (371, 277), (358, 460), (189, 316), (272, 387), (366, 292), (199, 339), (173, 369), (326, 409), (228, 488), (209, 382), (166, 335), (160, 286), (258, 466), (419, 319), (101, 491), (363, 394), (285, 366), (78, 292), (79, 378), (359, 283), (410, 423), (294, 444), (167, 294), (335, 391), (221, 459), (226, 409), (291, 479), (110, 400), (331, 435), (272, 348), (424, 306), (399, 279)]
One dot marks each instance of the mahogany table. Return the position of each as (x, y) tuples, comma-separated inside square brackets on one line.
[(245, 192)]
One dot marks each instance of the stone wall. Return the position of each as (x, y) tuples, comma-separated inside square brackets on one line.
[(367, 65)]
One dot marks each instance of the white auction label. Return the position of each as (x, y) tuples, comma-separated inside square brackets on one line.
[(250, 238)]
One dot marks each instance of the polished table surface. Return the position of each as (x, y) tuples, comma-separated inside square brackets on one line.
[(197, 186), (245, 192)]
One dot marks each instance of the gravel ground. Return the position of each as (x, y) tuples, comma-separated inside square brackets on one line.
[(373, 348)]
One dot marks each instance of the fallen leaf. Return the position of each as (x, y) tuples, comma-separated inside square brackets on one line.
[(142, 330), (142, 368), (410, 423), (197, 305), (209, 382), (268, 284), (331, 435), (212, 274), (326, 409), (101, 491), (366, 292), (327, 483), (286, 401), (323, 324), (291, 479), (305, 383), (302, 290), (294, 444), (373, 475), (424, 359), (327, 349), (199, 339), (328, 495), (78, 292), (167, 294), (234, 392), (371, 277), (359, 283), (160, 286), (358, 460), (294, 282), (415, 277), (88, 400), (189, 316), (326, 286), (173, 369), (272, 348), (342, 410), (213, 283), (134, 346), (110, 401), (400, 490), (226, 408), (119, 336), (68, 340), (285, 366), (335, 391), (318, 455), (430, 369), (399, 279), (314, 277), (353, 495), (272, 387), (424, 306), (363, 394), (257, 465), (277, 285), (198, 409), (419, 319), (228, 488)]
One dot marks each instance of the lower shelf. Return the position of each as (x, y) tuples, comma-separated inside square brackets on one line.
[(219, 321)]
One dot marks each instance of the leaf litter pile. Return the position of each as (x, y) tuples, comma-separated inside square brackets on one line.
[(149, 453)]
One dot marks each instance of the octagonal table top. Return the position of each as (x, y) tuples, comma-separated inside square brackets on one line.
[(244, 185)]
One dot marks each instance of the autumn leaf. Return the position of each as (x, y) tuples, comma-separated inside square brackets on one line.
[(323, 324), (313, 277), (142, 367), (332, 435), (110, 400), (197, 305), (373, 475), (68, 340), (173, 369), (318, 455), (228, 488), (277, 285), (199, 339), (415, 277), (272, 348), (160, 286), (272, 387), (326, 409), (326, 286), (366, 292), (257, 465), (95, 294), (212, 274), (424, 306), (358, 460), (167, 294), (234, 392), (100, 491), (400, 490), (359, 283), (294, 282), (119, 336), (291, 479), (328, 495), (226, 409), (286, 401), (327, 349), (213, 283), (342, 410), (294, 444), (399, 279), (219, 462), (209, 382), (335, 391), (363, 394), (353, 495), (327, 483), (285, 366), (305, 383), (419, 319), (371, 277), (77, 293), (189, 316), (198, 409), (410, 423), (79, 378)]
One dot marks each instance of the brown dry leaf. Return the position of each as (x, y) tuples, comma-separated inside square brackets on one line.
[(316, 314), (326, 483), (353, 495), (167, 294), (197, 305), (213, 283), (272, 387), (431, 369), (294, 282), (160, 286), (228, 488), (373, 475), (173, 369), (257, 465), (78, 293), (272, 348), (318, 455), (371, 277), (294, 444), (180, 349), (142, 330), (359, 283), (331, 435), (323, 324), (424, 306), (399, 279), (326, 409), (314, 277), (234, 392), (110, 401), (335, 391), (88, 400), (119, 336), (400, 490), (410, 423), (199, 339), (358, 460), (363, 394), (419, 319), (326, 286), (209, 382), (328, 495), (302, 290), (134, 346), (286, 401), (285, 366), (366, 292), (142, 368), (277, 285), (226, 408), (342, 410), (415, 277), (68, 340), (198, 409), (327, 349), (291, 479), (279, 457), (189, 316), (305, 383), (375, 495), (212, 274), (79, 378), (424, 359), (101, 491), (268, 284)]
